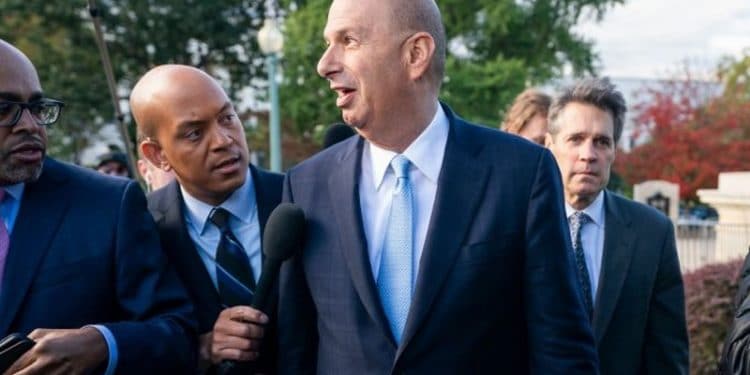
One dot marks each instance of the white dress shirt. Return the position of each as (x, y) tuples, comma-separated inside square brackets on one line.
[(243, 222), (378, 180), (592, 239)]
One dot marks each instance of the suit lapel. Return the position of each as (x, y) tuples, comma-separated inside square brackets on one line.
[(184, 254), (42, 208), (264, 200), (461, 187), (618, 252), (344, 193)]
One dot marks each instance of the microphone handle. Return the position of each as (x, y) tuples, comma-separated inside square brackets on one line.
[(267, 278), (226, 367), (260, 301)]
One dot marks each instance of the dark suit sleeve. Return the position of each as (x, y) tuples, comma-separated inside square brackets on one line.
[(156, 332), (560, 336), (298, 338), (744, 283), (666, 340), (735, 358)]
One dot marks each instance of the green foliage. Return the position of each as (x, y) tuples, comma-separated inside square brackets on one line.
[(735, 74), (305, 98), (479, 90), (218, 36), (64, 53), (497, 48)]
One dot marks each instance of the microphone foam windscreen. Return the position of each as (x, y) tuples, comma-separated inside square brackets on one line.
[(284, 232)]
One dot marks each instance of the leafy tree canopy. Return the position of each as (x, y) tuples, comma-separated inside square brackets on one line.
[(692, 133), (218, 36)]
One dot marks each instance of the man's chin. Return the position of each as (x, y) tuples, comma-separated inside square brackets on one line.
[(232, 183), (351, 119), (14, 174)]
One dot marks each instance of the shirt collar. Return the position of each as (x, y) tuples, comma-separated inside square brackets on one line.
[(241, 204), (14, 191), (425, 153), (595, 210)]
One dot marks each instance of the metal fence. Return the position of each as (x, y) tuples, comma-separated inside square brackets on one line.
[(701, 242)]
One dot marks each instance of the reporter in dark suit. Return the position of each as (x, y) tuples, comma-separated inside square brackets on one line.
[(83, 272), (624, 251), (190, 128), (433, 245)]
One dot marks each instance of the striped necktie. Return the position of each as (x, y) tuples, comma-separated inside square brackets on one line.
[(234, 275)]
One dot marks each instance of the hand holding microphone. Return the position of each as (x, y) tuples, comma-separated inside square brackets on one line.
[(282, 237)]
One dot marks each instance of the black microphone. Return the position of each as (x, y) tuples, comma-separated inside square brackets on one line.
[(336, 133), (282, 237)]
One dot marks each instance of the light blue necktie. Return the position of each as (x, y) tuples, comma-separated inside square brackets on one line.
[(396, 263)]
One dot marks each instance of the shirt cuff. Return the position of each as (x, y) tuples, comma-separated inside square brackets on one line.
[(111, 347)]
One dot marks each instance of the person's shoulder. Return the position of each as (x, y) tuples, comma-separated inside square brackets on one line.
[(84, 179), (329, 158), (160, 199), (642, 215), (266, 177), (497, 144)]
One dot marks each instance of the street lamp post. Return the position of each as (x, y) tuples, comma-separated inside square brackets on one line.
[(271, 42)]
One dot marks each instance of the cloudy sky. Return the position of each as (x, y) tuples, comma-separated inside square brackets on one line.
[(653, 38)]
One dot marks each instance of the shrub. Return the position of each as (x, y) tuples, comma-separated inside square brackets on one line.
[(709, 299)]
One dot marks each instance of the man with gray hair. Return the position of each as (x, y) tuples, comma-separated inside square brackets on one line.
[(625, 253), (433, 246)]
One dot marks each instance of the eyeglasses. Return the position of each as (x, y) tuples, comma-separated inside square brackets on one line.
[(45, 112)]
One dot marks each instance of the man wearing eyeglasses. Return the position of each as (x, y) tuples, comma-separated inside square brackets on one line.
[(81, 271)]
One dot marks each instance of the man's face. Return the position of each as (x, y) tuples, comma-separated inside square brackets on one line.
[(363, 62), (585, 149), (202, 140), (22, 146), (114, 168)]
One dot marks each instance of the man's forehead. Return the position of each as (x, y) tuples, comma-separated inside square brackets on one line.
[(355, 15), (206, 110), (18, 77)]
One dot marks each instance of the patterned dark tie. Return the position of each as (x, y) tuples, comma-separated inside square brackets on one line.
[(577, 221), (234, 275)]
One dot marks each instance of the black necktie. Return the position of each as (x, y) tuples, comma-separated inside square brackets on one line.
[(234, 276)]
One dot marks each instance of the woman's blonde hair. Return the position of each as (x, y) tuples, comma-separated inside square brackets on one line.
[(529, 103)]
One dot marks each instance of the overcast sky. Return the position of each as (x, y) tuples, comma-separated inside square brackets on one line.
[(652, 38)]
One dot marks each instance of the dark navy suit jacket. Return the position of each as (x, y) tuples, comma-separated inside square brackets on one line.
[(639, 317), (495, 292), (167, 207), (85, 250)]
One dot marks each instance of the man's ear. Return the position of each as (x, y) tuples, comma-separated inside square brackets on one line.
[(153, 152), (419, 49)]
